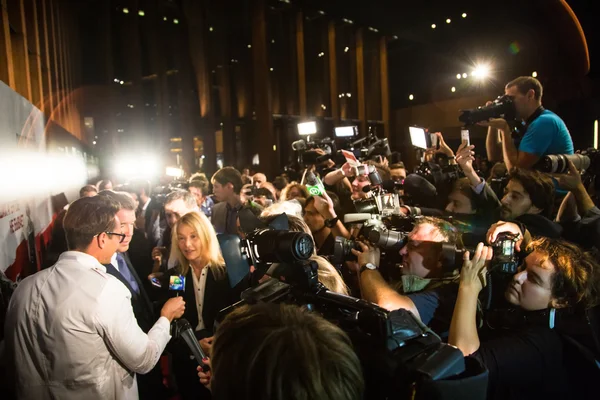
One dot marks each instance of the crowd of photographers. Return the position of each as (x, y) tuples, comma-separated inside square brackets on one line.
[(478, 276)]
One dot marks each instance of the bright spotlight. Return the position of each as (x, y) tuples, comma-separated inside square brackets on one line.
[(307, 128), (458, 76), (448, 20), (481, 71), (534, 74), (433, 26), (465, 75), (453, 89), (174, 172), (464, 15), (411, 97)]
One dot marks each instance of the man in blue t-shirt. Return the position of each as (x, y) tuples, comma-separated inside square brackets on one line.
[(546, 133)]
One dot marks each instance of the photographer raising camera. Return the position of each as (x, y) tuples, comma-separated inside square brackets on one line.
[(545, 132)]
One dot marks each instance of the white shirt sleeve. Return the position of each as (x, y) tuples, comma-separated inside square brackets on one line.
[(479, 188), (116, 323)]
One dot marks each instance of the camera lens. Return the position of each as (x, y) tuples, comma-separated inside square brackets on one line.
[(559, 163)]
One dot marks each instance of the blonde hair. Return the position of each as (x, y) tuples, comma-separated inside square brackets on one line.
[(209, 244), (290, 207), (329, 276), (294, 185)]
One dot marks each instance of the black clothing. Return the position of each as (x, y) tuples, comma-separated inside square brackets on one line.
[(586, 231), (217, 295), (326, 248), (533, 363)]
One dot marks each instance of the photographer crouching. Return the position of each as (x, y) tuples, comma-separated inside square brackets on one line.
[(531, 356)]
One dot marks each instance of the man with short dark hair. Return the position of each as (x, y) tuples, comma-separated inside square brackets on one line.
[(70, 331), (545, 133), (200, 190), (227, 185), (307, 357), (428, 288), (88, 191)]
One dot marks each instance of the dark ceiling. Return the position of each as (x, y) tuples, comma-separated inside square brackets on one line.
[(515, 37)]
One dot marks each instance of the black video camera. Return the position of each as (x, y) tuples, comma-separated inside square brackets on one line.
[(307, 154), (502, 107)]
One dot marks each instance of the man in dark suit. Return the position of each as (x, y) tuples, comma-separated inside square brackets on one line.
[(150, 385), (227, 185)]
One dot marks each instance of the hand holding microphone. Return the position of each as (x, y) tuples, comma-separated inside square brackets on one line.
[(185, 332)]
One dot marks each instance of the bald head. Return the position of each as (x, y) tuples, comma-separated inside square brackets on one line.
[(258, 179)]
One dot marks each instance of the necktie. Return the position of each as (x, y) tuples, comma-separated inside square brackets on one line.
[(124, 270)]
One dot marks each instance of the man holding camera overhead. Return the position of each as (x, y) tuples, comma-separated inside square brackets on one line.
[(545, 132)]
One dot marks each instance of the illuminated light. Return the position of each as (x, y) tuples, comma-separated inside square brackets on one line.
[(165, 18), (321, 12), (433, 26), (458, 76), (534, 74), (307, 128), (271, 69), (448, 20), (211, 29), (349, 94), (464, 15), (249, 46), (273, 41), (121, 82), (596, 134), (175, 21), (453, 89), (125, 10), (464, 75), (145, 166), (174, 172), (94, 142), (141, 13), (346, 49), (373, 29), (348, 21), (323, 107), (411, 97), (395, 37), (274, 147), (481, 71)]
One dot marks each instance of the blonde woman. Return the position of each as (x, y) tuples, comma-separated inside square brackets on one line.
[(206, 291)]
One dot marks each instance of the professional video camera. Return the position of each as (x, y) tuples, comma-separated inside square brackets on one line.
[(400, 355), (587, 160), (441, 175), (369, 147), (502, 107), (307, 154)]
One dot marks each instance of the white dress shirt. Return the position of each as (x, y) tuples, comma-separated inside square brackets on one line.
[(71, 334), (199, 287), (114, 262)]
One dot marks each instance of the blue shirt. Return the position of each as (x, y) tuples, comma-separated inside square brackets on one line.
[(547, 134)]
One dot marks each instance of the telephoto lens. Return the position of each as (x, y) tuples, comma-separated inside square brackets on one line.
[(559, 163), (281, 246)]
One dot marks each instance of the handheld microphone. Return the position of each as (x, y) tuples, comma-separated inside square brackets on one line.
[(186, 333)]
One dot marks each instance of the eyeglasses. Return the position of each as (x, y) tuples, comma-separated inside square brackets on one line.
[(121, 235)]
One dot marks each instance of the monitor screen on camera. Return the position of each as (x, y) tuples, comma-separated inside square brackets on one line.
[(418, 137), (346, 131)]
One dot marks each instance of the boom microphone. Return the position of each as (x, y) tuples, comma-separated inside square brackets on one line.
[(186, 333)]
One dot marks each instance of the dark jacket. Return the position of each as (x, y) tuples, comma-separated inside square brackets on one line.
[(142, 306)]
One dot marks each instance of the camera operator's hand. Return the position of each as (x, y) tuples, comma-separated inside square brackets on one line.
[(324, 206), (503, 227), (173, 308), (205, 377), (465, 156), (570, 181), (473, 272), (368, 254), (497, 123), (206, 344), (347, 169), (158, 253), (444, 148)]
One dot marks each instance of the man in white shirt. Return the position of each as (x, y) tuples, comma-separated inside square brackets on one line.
[(70, 330)]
